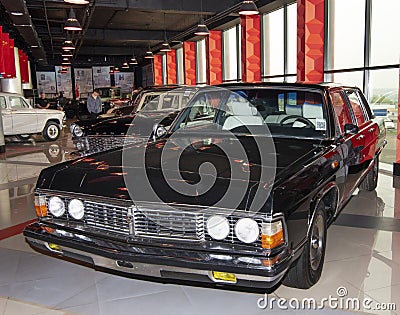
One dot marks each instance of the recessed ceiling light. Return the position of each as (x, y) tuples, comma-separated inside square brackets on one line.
[(34, 46), (17, 13)]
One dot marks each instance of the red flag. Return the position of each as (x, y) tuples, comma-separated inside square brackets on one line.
[(13, 71), (2, 70), (23, 64)]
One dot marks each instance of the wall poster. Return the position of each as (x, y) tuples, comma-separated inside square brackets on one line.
[(83, 82), (101, 77), (125, 81), (46, 82), (64, 82)]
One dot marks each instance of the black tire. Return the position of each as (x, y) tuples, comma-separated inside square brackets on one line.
[(307, 270), (370, 181), (23, 137), (51, 131)]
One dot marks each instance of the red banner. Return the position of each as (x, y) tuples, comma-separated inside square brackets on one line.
[(251, 48), (158, 71), (23, 64), (2, 69), (214, 50)]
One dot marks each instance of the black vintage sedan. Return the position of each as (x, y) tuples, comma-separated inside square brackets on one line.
[(239, 192)]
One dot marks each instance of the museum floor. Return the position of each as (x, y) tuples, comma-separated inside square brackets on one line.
[(363, 258)]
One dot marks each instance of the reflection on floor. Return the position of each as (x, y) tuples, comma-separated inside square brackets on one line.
[(363, 258)]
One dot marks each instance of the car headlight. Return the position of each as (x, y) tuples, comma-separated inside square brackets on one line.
[(56, 206), (76, 209), (77, 131), (218, 227), (247, 230)]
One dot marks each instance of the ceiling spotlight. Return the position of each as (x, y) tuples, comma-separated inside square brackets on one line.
[(165, 47), (202, 29), (77, 1), (133, 61), (116, 70), (66, 63), (34, 46), (149, 55), (65, 59), (248, 7), (16, 13), (72, 23), (125, 65)]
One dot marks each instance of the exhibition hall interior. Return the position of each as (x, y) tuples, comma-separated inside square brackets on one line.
[(199, 157)]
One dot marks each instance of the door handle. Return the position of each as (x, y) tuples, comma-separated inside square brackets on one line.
[(360, 137), (371, 129)]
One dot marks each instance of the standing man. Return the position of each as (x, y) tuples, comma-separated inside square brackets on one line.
[(94, 105), (42, 102)]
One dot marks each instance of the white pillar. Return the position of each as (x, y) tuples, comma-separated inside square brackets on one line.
[(13, 85)]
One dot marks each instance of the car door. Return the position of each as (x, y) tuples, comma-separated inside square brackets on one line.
[(6, 116), (350, 145), (24, 117)]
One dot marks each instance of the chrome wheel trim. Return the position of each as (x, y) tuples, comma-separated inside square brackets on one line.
[(317, 242), (52, 131)]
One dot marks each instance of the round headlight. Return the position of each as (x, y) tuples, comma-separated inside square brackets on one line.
[(218, 227), (77, 131), (247, 230), (76, 209), (56, 206)]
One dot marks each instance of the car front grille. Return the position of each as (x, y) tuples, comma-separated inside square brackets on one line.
[(163, 224), (169, 224)]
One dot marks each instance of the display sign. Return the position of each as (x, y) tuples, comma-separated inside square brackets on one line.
[(101, 77), (125, 81), (46, 82), (83, 82), (64, 82)]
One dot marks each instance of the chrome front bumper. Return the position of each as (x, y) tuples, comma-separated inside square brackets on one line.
[(163, 264)]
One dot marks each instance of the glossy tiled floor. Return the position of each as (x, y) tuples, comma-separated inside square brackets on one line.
[(363, 257)]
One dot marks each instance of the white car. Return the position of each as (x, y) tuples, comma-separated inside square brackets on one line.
[(20, 119)]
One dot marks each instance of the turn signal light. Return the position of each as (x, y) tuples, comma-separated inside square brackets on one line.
[(272, 235), (40, 206)]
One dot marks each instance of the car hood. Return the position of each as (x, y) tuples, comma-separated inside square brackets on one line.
[(104, 175)]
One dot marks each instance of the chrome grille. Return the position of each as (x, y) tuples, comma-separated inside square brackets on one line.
[(169, 224)]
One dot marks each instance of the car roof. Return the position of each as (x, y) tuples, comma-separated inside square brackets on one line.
[(320, 85)]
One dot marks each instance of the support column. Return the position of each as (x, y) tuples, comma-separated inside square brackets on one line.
[(171, 67), (189, 51), (158, 74), (13, 85), (214, 51), (251, 48), (310, 40)]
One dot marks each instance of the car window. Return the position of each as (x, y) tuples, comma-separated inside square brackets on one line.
[(18, 102), (203, 110), (357, 107), (342, 112), (3, 104)]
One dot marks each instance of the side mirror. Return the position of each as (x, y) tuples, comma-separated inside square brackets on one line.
[(350, 129), (158, 131)]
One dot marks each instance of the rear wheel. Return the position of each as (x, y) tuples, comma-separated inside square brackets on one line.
[(371, 180), (308, 268), (51, 131)]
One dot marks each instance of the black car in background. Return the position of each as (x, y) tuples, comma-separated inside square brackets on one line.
[(238, 192)]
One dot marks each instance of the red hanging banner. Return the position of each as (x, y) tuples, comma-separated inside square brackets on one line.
[(6, 55), (13, 72), (171, 67), (2, 69), (189, 49), (23, 65)]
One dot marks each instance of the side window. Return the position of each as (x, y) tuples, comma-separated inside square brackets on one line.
[(16, 102), (3, 104), (202, 111), (356, 105), (341, 111)]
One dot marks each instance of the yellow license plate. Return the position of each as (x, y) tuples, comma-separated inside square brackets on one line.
[(224, 276)]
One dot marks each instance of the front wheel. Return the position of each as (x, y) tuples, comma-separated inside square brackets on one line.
[(307, 269), (51, 131)]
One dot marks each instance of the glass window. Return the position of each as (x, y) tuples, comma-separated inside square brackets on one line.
[(18, 102), (230, 57), (385, 32), (292, 38), (273, 38), (354, 78), (356, 106), (179, 66), (346, 29), (341, 110), (3, 102), (201, 62)]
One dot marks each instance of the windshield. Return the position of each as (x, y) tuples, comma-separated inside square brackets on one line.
[(286, 112)]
